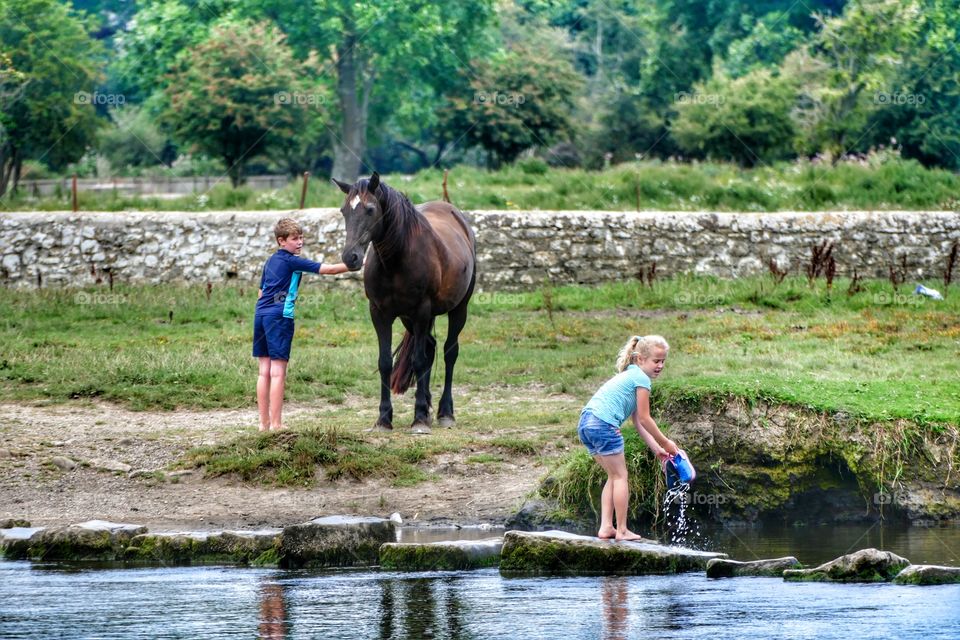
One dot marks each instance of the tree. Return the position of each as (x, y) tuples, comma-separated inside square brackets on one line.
[(239, 93), (53, 118), (381, 53), (920, 107), (746, 119), (513, 102), (768, 43), (856, 55), (133, 139), (160, 32)]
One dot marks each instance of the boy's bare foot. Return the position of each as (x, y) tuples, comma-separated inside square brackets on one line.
[(280, 428), (628, 535), (606, 533)]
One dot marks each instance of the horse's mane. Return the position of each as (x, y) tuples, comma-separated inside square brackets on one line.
[(401, 219)]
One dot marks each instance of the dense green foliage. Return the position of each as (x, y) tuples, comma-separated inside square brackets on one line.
[(409, 85), (241, 94), (48, 77)]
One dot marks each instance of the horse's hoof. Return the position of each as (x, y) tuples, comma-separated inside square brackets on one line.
[(447, 422), (420, 429), (383, 427)]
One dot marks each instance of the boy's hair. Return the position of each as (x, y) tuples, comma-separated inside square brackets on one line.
[(287, 227), (639, 346)]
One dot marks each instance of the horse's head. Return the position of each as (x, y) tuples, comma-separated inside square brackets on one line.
[(363, 212)]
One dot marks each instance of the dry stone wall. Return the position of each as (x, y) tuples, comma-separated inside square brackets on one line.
[(516, 250)]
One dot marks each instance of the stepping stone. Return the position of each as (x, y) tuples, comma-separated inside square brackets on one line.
[(927, 574), (866, 565), (724, 568), (558, 552), (93, 540), (448, 555), (201, 547), (335, 541), (15, 541)]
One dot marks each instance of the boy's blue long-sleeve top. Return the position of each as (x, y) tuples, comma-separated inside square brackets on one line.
[(280, 281)]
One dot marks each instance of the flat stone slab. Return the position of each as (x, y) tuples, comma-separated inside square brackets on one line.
[(335, 541), (725, 568), (259, 548), (15, 541), (928, 574), (558, 552), (449, 555), (866, 565), (97, 540)]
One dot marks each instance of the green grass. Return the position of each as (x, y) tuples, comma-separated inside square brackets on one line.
[(877, 354), (879, 183)]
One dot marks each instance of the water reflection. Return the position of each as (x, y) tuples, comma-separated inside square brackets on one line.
[(615, 611), (273, 612), (421, 608)]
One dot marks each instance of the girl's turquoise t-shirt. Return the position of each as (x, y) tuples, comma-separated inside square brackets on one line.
[(617, 398)]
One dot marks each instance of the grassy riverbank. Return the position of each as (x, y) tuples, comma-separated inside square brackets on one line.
[(873, 183), (528, 362), (879, 353)]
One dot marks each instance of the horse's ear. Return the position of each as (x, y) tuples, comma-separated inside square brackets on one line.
[(343, 185), (374, 182)]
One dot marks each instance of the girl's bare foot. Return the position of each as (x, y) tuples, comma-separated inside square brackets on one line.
[(606, 533), (264, 427), (628, 535), (280, 428)]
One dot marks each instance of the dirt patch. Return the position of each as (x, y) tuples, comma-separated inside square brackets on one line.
[(34, 488)]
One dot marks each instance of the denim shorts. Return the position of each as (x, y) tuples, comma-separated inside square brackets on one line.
[(272, 337), (599, 437)]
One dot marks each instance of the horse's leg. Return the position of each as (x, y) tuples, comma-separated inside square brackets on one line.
[(384, 327), (425, 348), (457, 318)]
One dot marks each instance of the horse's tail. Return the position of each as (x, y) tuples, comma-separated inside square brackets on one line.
[(402, 376)]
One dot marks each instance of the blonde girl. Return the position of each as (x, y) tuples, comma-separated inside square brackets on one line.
[(626, 394)]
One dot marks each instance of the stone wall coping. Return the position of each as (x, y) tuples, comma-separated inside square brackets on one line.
[(563, 213)]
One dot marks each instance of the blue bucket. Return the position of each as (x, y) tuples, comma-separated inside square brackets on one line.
[(679, 470)]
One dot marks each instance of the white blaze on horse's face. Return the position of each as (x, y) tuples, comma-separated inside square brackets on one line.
[(361, 212)]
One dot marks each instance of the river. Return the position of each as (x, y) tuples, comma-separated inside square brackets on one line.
[(59, 601)]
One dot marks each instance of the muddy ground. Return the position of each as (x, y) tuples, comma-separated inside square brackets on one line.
[(33, 488)]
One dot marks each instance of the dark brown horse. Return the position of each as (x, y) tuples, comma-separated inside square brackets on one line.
[(421, 264)]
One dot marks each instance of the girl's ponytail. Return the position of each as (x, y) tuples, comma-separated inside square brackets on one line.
[(629, 350)]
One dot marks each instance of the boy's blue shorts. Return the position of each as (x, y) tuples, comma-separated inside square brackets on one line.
[(272, 337), (599, 437)]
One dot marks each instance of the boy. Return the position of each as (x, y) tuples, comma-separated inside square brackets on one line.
[(273, 320)]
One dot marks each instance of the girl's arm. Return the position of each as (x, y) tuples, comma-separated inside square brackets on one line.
[(648, 428)]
